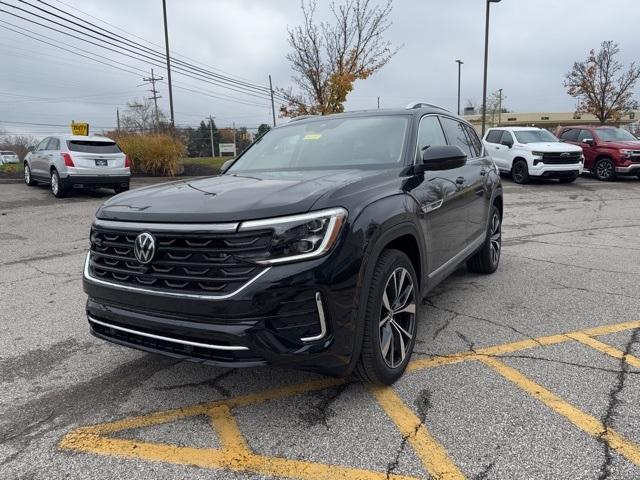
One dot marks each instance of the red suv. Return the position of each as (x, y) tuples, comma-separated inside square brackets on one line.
[(608, 151)]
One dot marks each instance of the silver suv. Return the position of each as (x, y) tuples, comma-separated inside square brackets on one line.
[(69, 161)]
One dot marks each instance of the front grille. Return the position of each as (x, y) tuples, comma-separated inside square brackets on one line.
[(197, 263), (560, 158)]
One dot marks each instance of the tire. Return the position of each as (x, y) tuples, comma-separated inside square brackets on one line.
[(604, 170), (520, 172), (567, 180), (120, 189), (383, 363), (486, 260), (28, 179), (56, 185)]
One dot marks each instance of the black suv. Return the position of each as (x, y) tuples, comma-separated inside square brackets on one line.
[(313, 249)]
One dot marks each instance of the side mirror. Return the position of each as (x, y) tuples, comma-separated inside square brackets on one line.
[(441, 158), (589, 141), (507, 144), (226, 165), (31, 149)]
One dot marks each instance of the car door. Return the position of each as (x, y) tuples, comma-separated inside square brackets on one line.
[(441, 199), (477, 171), (496, 150), (589, 150), (52, 150), (37, 159)]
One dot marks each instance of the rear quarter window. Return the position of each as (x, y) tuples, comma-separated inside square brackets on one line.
[(92, 146)]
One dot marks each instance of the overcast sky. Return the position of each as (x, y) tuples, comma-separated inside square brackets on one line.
[(533, 43)]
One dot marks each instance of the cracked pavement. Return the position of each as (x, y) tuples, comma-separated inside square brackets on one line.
[(570, 262)]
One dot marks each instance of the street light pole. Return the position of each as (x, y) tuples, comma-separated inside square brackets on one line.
[(459, 62), (166, 43), (499, 106), (486, 58)]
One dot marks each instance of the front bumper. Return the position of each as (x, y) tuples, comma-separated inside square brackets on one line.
[(632, 169), (555, 171), (295, 315)]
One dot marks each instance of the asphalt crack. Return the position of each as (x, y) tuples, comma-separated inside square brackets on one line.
[(211, 382), (612, 406), (422, 404), (322, 411)]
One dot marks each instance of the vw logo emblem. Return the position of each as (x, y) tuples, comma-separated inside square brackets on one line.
[(144, 248), (565, 154)]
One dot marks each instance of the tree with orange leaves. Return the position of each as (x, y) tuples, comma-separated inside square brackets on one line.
[(329, 57), (602, 85)]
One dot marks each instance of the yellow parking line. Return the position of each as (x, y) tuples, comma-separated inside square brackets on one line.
[(580, 419), (219, 459), (607, 329), (228, 431), (604, 348), (434, 457)]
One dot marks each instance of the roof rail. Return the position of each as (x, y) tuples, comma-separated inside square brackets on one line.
[(302, 117), (413, 105)]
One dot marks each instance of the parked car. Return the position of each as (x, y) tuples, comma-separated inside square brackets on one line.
[(525, 152), (8, 157), (67, 161), (608, 151), (313, 250)]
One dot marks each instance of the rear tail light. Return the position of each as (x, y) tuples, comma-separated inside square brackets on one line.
[(68, 162), (127, 161)]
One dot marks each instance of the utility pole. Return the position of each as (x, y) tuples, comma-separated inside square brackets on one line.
[(213, 151), (152, 80), (378, 103), (118, 117), (459, 62), (499, 106), (235, 147), (273, 108), (486, 61), (166, 42)]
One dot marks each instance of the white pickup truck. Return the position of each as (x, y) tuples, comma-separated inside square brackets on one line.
[(526, 152)]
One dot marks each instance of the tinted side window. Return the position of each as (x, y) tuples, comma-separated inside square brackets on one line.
[(43, 144), (456, 135), (476, 144), (506, 137), (585, 134), (54, 144), (494, 136), (570, 135), (429, 134)]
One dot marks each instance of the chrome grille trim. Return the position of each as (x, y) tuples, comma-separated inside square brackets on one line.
[(167, 227), (165, 293), (166, 339)]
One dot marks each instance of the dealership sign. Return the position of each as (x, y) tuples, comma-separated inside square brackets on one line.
[(227, 148)]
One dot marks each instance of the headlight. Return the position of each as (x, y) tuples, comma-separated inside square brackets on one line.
[(299, 237), (626, 153), (537, 154)]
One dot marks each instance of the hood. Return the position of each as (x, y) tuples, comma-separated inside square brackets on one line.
[(229, 198), (629, 144), (552, 147)]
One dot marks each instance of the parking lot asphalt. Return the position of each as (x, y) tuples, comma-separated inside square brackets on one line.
[(532, 372)]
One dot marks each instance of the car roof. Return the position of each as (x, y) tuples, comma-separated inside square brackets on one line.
[(4, 152), (515, 129), (588, 126), (92, 138), (418, 111)]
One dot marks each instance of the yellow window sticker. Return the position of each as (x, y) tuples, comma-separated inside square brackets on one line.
[(313, 136)]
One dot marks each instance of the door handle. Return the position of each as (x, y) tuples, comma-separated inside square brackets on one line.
[(460, 180), (497, 148), (483, 172)]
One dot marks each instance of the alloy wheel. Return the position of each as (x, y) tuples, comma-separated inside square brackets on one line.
[(496, 238), (27, 174), (54, 184), (604, 169), (518, 172), (397, 317)]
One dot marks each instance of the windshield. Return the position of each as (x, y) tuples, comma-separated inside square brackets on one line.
[(534, 136), (614, 134), (356, 142)]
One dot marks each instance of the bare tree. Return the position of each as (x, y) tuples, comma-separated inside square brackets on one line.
[(602, 85), (140, 116), (329, 57), (17, 143)]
